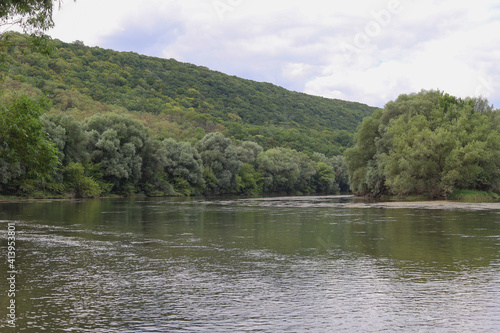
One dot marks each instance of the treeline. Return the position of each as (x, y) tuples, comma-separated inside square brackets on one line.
[(56, 155), (430, 144), (178, 100)]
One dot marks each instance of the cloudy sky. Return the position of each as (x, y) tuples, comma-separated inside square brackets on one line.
[(368, 51)]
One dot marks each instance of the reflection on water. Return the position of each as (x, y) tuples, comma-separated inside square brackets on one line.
[(160, 265)]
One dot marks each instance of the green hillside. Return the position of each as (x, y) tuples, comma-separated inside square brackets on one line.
[(179, 100)]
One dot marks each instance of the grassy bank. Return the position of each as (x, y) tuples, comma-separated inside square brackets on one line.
[(473, 196)]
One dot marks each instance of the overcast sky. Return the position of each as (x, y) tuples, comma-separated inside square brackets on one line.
[(368, 51)]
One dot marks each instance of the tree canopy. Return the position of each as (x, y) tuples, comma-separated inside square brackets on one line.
[(26, 153), (429, 144), (179, 100), (112, 153)]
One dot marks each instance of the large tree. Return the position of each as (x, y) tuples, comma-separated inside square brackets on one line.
[(116, 142), (428, 143), (286, 170), (221, 163), (25, 150)]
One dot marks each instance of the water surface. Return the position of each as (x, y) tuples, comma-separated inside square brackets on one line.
[(319, 264)]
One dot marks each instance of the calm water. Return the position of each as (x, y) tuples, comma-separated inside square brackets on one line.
[(190, 265)]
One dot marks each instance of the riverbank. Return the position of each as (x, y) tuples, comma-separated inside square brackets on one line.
[(312, 201), (13, 198)]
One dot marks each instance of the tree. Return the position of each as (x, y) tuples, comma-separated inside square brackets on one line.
[(339, 168), (360, 158), (429, 144), (183, 166), (249, 180), (78, 183), (33, 17), (221, 163), (153, 181), (325, 179), (70, 137), (115, 143), (248, 151), (286, 170), (25, 149)]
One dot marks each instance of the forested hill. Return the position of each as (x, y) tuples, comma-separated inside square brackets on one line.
[(180, 100)]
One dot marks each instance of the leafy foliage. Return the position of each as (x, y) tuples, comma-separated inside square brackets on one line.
[(25, 151), (78, 183), (115, 143), (221, 162), (182, 101), (122, 123), (183, 167), (429, 143), (31, 15), (286, 171)]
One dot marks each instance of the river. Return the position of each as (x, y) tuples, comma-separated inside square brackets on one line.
[(303, 264)]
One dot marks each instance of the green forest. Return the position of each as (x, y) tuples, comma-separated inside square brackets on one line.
[(178, 100), (86, 122), (78, 121), (55, 155)]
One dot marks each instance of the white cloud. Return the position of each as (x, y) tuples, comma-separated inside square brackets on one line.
[(89, 20), (367, 51)]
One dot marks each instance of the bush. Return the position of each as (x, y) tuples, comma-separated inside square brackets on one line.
[(79, 184)]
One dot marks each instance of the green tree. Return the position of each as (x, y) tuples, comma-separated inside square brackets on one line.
[(325, 179), (361, 157), (428, 143), (78, 183), (183, 166), (154, 182), (25, 150), (249, 180), (286, 170), (70, 137), (340, 172), (248, 151), (221, 163), (116, 142), (33, 17)]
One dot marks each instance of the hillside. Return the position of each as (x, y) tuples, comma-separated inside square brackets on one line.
[(180, 100)]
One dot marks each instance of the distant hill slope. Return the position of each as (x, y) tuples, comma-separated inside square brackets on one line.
[(181, 100)]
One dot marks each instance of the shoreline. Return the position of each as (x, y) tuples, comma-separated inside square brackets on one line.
[(350, 201), (436, 204), (306, 201)]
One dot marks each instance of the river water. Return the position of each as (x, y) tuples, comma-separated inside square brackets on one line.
[(317, 264)]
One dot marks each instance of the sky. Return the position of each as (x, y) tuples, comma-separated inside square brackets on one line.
[(367, 51)]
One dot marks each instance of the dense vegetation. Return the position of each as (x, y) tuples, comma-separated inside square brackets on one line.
[(179, 100), (430, 144), (85, 122), (56, 155)]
